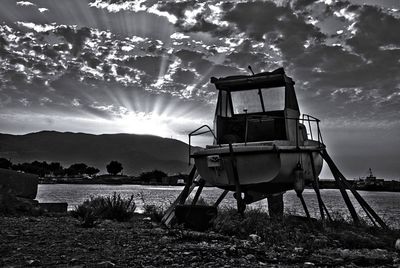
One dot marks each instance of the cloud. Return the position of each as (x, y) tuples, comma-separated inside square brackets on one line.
[(76, 37), (25, 3), (147, 56)]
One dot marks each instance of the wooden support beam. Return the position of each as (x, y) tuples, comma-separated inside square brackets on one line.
[(199, 190), (170, 213), (220, 198), (363, 203), (358, 197), (300, 196), (316, 189), (189, 186), (189, 182), (327, 212), (336, 174)]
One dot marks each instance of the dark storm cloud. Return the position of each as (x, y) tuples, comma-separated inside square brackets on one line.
[(149, 64), (362, 81), (300, 4), (92, 60), (3, 46), (189, 56), (242, 59), (108, 60), (183, 76), (195, 60), (76, 37), (277, 24), (375, 29)]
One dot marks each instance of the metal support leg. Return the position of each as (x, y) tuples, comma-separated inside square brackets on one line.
[(240, 202)]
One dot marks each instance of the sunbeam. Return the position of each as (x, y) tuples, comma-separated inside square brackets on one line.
[(144, 66)]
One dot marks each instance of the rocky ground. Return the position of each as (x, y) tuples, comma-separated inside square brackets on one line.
[(60, 241)]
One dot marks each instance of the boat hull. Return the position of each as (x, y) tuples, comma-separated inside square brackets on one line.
[(261, 168)]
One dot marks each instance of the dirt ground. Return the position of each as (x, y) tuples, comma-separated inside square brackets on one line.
[(60, 241)]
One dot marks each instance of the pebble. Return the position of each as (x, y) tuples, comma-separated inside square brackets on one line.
[(33, 263), (105, 264), (255, 238), (320, 242), (250, 257), (73, 261), (397, 245), (298, 250), (164, 239), (344, 253)]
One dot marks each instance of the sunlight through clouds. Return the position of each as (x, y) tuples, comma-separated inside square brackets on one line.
[(136, 64)]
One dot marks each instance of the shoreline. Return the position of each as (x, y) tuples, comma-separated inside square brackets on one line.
[(88, 182)]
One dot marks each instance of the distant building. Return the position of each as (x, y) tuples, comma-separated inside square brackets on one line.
[(369, 181)]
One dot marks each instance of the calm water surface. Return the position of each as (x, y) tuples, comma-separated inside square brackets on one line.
[(386, 204)]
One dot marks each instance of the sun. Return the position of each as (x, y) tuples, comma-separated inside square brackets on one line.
[(144, 123)]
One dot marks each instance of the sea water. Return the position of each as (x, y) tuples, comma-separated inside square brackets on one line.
[(386, 204)]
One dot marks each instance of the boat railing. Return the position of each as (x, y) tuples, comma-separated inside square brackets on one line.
[(197, 132), (311, 122)]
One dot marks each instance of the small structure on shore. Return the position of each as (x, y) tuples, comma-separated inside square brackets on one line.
[(261, 148), (18, 191), (22, 184)]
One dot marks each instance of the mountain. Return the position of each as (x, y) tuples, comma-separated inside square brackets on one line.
[(137, 153)]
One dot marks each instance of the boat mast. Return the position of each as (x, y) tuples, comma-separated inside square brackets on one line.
[(259, 92)]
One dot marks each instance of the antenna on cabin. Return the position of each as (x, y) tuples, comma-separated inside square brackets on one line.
[(251, 70)]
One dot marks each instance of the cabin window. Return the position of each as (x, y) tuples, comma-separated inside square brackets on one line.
[(274, 98), (246, 100), (224, 108)]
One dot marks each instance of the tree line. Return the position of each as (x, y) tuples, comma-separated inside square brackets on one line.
[(56, 169)]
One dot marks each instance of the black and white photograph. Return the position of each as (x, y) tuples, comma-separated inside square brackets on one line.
[(155, 133)]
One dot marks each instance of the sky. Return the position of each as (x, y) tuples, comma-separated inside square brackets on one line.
[(144, 67)]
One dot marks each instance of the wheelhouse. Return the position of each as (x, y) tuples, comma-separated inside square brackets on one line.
[(255, 108)]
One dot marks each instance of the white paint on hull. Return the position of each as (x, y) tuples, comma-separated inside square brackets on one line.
[(256, 163)]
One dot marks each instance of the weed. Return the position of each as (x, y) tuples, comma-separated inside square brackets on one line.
[(200, 201), (112, 207), (154, 212)]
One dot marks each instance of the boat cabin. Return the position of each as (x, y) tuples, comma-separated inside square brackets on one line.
[(254, 108)]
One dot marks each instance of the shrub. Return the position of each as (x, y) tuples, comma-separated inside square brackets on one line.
[(200, 201), (110, 207), (256, 221), (154, 212), (230, 222)]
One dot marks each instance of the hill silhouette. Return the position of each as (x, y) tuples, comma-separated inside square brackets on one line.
[(137, 153)]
